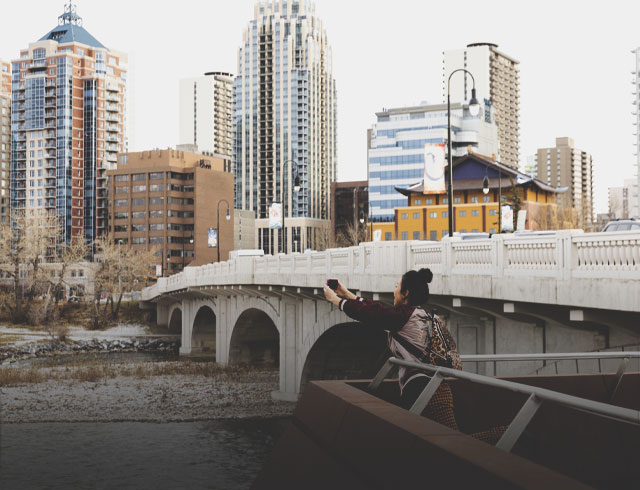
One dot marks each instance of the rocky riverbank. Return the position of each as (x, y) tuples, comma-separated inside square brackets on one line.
[(148, 391), (11, 352)]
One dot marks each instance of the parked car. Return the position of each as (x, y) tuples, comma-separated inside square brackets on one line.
[(622, 225)]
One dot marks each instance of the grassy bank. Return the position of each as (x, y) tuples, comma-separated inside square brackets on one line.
[(98, 370)]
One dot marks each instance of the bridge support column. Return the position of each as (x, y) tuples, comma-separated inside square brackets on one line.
[(162, 314), (289, 383), (223, 330), (188, 314)]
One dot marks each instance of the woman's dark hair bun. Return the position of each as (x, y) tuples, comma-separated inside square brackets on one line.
[(426, 274)]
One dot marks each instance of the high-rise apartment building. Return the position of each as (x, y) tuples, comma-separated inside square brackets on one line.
[(622, 200), (68, 106), (396, 148), (567, 166), (205, 112), (635, 208), (5, 140), (285, 124), (497, 81)]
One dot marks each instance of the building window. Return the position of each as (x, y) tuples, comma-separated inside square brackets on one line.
[(492, 230), (417, 202), (140, 240), (445, 214), (493, 212), (404, 235), (139, 188), (416, 215), (474, 198), (122, 190), (416, 235), (463, 231), (387, 236), (445, 200), (474, 230), (428, 201), (475, 212), (121, 203), (156, 240), (139, 177), (456, 200), (462, 214), (137, 227), (155, 188), (138, 215), (122, 215), (433, 214), (137, 202), (404, 216), (158, 213), (156, 226), (445, 233), (486, 198), (156, 201), (156, 175), (120, 228)]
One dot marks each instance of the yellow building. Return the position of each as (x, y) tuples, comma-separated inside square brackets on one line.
[(426, 217)]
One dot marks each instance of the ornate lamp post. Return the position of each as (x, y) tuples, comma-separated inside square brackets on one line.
[(474, 110)]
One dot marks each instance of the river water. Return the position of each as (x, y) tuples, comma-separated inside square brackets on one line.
[(218, 454)]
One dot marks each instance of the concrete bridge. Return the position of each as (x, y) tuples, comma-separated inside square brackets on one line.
[(570, 291)]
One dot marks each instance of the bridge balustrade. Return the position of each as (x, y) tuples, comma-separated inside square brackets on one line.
[(602, 269)]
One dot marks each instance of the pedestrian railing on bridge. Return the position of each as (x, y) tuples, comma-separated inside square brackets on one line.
[(533, 268), (537, 396)]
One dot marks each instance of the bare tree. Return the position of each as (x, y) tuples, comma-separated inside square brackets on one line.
[(351, 235), (26, 246), (119, 269)]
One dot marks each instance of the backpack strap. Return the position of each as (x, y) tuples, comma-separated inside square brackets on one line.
[(412, 349)]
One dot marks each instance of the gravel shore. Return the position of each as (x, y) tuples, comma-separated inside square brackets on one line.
[(152, 398)]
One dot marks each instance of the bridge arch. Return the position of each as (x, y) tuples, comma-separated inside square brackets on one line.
[(175, 320), (345, 350), (255, 338), (203, 332)]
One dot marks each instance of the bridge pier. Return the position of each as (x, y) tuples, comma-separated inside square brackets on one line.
[(162, 314)]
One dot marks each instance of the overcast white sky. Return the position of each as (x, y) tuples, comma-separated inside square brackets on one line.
[(575, 62)]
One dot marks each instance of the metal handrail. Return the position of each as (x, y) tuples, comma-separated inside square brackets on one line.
[(536, 397), (560, 356)]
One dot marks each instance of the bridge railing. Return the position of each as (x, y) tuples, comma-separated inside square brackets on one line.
[(537, 396), (559, 257)]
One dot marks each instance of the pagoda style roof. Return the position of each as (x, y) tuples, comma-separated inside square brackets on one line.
[(469, 172)]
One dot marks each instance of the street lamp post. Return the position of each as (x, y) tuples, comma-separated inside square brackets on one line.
[(227, 217), (474, 109)]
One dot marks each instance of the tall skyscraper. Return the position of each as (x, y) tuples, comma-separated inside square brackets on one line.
[(205, 112), (567, 166), (497, 80), (621, 200), (396, 148), (68, 106), (635, 207), (285, 124), (5, 139)]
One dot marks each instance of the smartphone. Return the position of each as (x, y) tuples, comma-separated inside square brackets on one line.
[(332, 283)]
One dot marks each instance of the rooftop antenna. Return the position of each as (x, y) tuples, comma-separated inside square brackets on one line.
[(70, 15)]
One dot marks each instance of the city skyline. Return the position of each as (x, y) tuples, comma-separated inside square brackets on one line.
[(580, 79)]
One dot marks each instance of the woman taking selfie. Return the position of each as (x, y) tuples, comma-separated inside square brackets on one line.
[(410, 330)]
